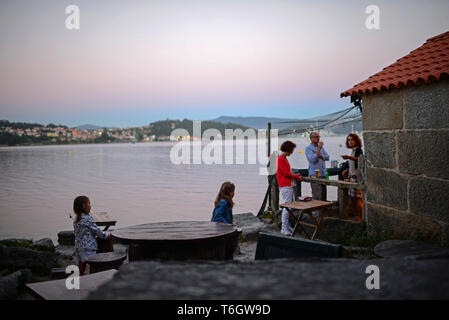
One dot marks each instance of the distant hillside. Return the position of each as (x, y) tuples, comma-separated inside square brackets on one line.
[(92, 127), (88, 127), (255, 122), (262, 122), (165, 127)]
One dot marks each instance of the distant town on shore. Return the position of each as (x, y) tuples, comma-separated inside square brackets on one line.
[(23, 133)]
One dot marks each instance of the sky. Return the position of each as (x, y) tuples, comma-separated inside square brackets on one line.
[(138, 61)]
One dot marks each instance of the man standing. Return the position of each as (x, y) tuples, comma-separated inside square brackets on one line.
[(316, 156)]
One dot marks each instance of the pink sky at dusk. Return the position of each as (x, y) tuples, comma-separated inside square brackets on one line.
[(148, 60)]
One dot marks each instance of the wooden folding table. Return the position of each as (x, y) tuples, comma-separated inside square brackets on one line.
[(307, 207)]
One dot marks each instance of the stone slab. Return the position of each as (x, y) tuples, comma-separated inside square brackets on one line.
[(278, 279), (410, 248), (57, 289), (389, 222)]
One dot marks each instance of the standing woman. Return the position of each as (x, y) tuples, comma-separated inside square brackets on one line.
[(286, 182), (353, 142)]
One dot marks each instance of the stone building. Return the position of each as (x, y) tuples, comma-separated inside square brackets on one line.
[(405, 111)]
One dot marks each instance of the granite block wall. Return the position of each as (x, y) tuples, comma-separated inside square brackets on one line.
[(406, 135)]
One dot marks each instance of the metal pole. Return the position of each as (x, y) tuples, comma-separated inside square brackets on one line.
[(269, 139)]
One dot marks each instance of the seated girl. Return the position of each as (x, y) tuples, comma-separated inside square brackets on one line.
[(224, 204), (86, 232)]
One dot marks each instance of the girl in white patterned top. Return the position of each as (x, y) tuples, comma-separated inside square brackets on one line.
[(86, 232)]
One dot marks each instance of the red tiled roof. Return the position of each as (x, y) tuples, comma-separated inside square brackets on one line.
[(427, 63)]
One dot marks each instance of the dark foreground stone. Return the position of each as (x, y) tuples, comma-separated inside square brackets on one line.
[(278, 279)]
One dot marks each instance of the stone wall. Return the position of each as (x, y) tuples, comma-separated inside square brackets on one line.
[(406, 135)]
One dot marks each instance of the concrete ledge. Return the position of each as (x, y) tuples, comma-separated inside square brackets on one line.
[(392, 223)]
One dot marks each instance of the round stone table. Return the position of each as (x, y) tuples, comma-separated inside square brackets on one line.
[(179, 240)]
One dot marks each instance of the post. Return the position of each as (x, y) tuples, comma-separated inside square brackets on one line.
[(298, 191), (269, 139), (270, 177), (361, 180), (274, 195), (323, 192)]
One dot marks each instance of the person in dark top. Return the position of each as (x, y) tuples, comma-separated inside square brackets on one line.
[(353, 142), (224, 204)]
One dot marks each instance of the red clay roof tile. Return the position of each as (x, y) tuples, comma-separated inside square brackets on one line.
[(427, 63)]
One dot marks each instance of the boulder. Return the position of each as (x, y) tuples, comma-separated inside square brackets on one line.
[(65, 252), (66, 238), (15, 242), (250, 225), (14, 258), (45, 244)]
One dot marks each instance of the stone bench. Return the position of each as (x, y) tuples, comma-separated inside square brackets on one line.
[(57, 289)]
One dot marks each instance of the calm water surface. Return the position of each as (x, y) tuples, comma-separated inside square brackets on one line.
[(135, 183)]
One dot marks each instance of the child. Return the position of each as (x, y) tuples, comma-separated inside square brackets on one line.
[(86, 232), (224, 204)]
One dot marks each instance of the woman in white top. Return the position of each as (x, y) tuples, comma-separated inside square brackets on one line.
[(353, 142)]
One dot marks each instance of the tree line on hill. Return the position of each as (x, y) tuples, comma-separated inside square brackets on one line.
[(161, 130), (27, 125)]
